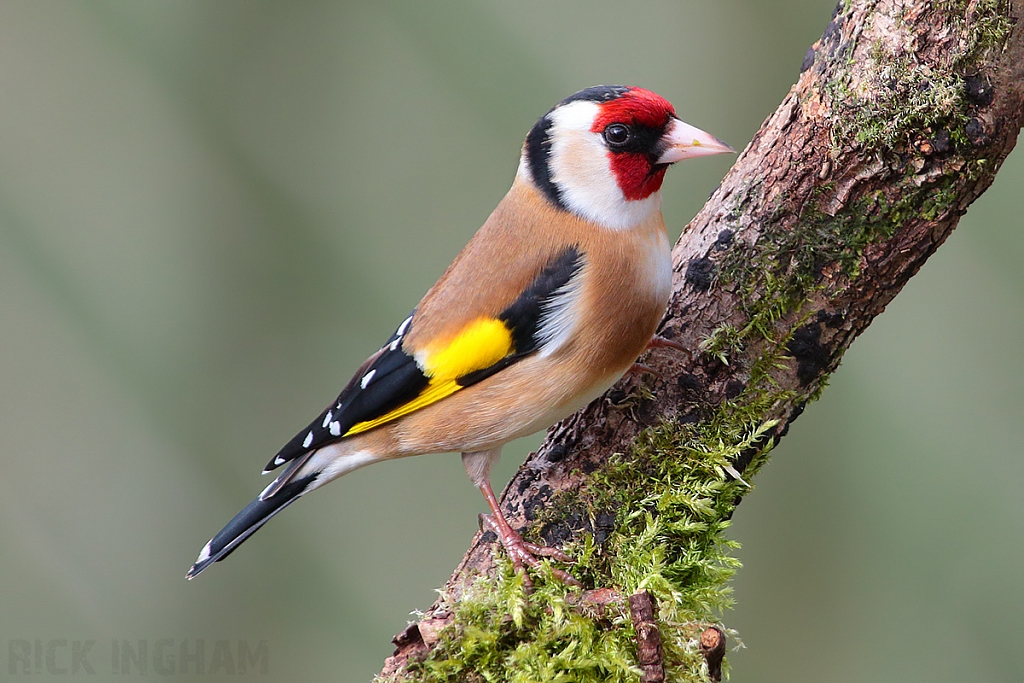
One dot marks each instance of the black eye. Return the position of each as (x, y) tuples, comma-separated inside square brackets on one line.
[(616, 134)]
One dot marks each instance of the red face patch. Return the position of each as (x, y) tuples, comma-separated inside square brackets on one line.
[(637, 177)]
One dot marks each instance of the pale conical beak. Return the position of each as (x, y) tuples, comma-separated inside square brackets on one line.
[(683, 141)]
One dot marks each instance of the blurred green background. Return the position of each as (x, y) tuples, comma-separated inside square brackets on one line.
[(211, 212)]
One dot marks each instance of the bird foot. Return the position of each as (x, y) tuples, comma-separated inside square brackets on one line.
[(641, 369), (656, 342), (659, 342), (525, 554)]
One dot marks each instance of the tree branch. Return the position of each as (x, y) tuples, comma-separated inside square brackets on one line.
[(902, 115)]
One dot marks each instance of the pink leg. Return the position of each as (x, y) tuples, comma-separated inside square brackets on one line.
[(522, 553)]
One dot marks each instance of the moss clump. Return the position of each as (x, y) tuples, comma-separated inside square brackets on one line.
[(905, 97), (673, 500), (986, 28), (723, 342), (892, 95), (501, 634)]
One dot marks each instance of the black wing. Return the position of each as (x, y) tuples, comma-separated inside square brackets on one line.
[(391, 377), (386, 380)]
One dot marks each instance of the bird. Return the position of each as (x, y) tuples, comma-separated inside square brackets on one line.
[(549, 304)]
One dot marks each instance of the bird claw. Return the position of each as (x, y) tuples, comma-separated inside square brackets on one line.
[(523, 554), (641, 369), (656, 342), (659, 342)]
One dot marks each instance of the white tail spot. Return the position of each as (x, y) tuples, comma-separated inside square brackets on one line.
[(204, 554)]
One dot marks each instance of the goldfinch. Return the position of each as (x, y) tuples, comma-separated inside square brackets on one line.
[(549, 304)]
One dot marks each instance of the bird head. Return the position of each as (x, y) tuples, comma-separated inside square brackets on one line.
[(602, 153)]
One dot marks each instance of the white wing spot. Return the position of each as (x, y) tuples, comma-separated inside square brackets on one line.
[(278, 461), (403, 326), (327, 418), (308, 440), (394, 345), (367, 378), (336, 428)]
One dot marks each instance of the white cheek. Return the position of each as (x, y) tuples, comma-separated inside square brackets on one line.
[(581, 169)]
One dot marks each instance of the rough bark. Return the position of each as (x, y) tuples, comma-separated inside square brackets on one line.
[(902, 115)]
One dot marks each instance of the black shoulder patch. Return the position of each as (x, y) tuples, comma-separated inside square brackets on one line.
[(524, 316)]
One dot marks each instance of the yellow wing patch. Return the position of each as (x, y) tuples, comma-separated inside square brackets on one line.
[(478, 346)]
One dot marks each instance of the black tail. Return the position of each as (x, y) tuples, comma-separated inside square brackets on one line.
[(246, 522)]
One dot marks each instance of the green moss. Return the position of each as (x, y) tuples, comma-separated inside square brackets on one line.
[(985, 29), (904, 98), (673, 499), (723, 342), (896, 96)]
